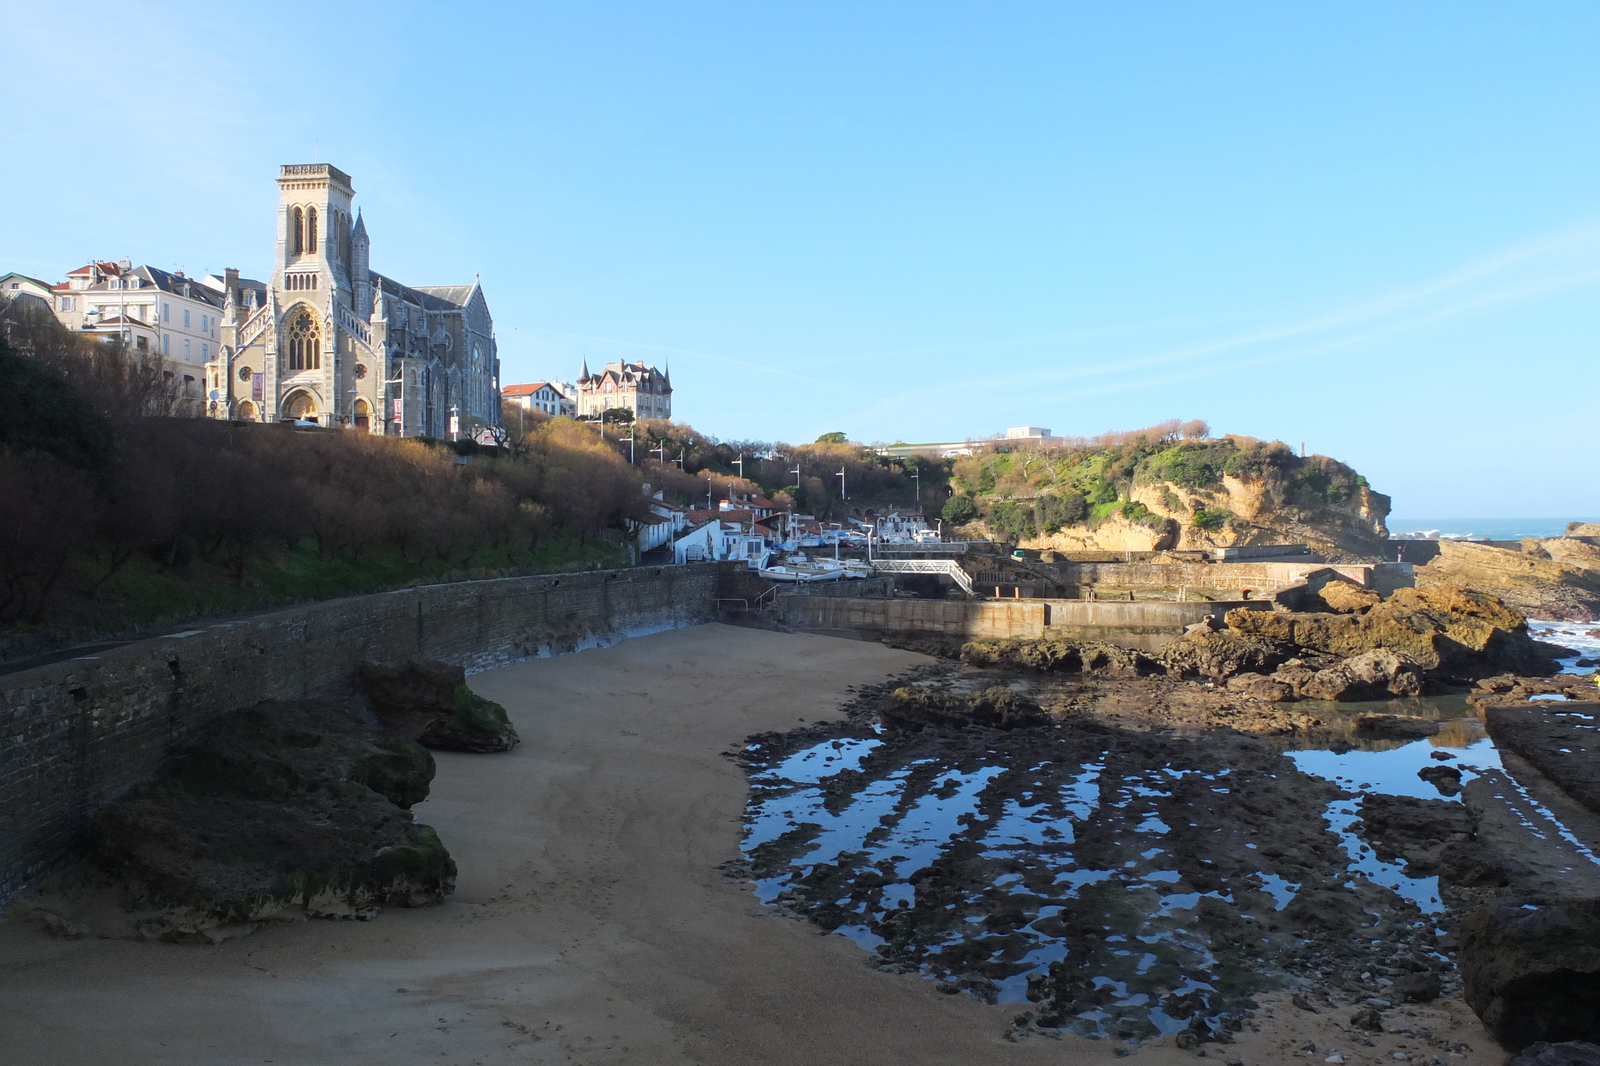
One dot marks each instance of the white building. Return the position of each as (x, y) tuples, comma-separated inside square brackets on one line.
[(149, 309), (28, 292), (543, 396)]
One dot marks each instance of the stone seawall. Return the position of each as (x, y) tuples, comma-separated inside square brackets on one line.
[(870, 619), (77, 734), (1147, 625)]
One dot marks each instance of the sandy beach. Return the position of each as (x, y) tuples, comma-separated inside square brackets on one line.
[(590, 924)]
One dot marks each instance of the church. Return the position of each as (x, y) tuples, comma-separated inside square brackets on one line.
[(336, 344)]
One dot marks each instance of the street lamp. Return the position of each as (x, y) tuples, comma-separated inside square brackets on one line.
[(399, 411)]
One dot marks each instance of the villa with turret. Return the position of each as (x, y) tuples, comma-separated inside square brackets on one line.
[(335, 343), (642, 389)]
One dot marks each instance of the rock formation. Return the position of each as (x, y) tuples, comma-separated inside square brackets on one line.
[(430, 702), (1387, 648), (1557, 578), (1153, 492), (1532, 973), (918, 707), (1051, 655), (279, 806)]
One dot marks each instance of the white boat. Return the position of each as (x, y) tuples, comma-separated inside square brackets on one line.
[(800, 572)]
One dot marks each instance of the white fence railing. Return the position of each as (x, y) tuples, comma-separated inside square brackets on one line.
[(948, 567)]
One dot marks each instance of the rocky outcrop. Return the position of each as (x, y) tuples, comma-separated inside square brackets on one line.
[(1222, 654), (1567, 1053), (1156, 493), (1441, 630), (1053, 655), (430, 702), (1347, 597), (1377, 650), (1564, 748), (919, 707), (283, 805), (1557, 578), (1532, 973)]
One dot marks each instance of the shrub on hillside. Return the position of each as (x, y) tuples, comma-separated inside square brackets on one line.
[(959, 510)]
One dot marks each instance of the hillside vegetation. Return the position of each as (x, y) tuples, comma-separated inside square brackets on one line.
[(1156, 489), (117, 516)]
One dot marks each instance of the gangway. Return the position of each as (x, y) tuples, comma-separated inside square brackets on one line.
[(948, 567)]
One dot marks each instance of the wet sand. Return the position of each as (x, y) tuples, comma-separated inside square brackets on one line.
[(591, 923)]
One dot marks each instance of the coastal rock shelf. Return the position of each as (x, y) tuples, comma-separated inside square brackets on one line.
[(1124, 880)]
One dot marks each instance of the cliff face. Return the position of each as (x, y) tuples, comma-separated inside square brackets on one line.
[(1556, 579), (1175, 495)]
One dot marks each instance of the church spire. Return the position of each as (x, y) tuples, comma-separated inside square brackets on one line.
[(584, 375)]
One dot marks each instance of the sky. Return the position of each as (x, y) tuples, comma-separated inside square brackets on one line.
[(1370, 227)]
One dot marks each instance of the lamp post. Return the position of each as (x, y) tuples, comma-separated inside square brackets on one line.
[(917, 476), (401, 400)]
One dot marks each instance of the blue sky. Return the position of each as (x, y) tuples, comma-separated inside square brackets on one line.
[(1371, 227)]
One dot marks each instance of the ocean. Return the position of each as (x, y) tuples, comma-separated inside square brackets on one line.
[(1483, 528)]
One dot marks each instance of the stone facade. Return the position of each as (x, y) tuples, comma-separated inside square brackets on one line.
[(644, 390), (338, 344), (80, 733)]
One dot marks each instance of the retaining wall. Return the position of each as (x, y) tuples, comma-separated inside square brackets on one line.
[(74, 735), (873, 618), (1147, 625)]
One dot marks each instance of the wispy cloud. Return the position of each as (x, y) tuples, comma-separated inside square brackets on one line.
[(1560, 262), (643, 346)]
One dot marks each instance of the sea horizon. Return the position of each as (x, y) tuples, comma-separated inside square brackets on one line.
[(1484, 528)]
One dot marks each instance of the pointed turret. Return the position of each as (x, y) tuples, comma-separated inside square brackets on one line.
[(584, 375), (360, 266)]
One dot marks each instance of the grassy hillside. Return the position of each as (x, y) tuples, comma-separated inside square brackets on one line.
[(1154, 490)]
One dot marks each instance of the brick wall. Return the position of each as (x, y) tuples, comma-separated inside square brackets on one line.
[(75, 735)]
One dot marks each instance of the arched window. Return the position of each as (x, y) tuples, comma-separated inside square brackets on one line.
[(362, 415), (305, 342), (311, 230), (296, 232)]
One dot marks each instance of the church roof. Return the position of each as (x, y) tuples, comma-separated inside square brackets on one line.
[(454, 295), (429, 297)]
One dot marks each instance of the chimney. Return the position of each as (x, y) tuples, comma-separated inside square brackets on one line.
[(230, 281), (125, 264)]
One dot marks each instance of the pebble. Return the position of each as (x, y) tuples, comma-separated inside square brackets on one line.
[(1335, 1058)]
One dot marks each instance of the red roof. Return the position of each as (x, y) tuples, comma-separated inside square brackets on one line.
[(523, 390)]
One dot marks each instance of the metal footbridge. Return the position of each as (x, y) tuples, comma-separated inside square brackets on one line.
[(948, 567)]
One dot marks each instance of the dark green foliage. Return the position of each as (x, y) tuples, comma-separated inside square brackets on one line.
[(1192, 465), (1259, 458), (1014, 518), (41, 412), (1056, 511), (1101, 492), (959, 510), (836, 437), (1211, 519)]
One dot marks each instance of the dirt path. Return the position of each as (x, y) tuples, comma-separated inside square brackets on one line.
[(590, 924)]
